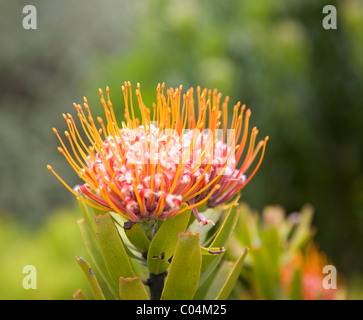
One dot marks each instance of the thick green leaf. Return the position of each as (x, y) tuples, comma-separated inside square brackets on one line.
[(209, 263), (79, 295), (87, 216), (137, 260), (232, 277), (113, 250), (218, 280), (91, 278), (182, 279), (132, 289), (94, 250), (225, 279), (212, 251), (137, 237), (163, 244)]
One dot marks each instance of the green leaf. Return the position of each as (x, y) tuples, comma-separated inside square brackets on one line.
[(137, 260), (79, 295), (218, 280), (209, 263), (132, 289), (232, 277), (303, 231), (212, 251), (272, 247), (94, 250), (182, 279), (137, 237), (163, 244), (113, 250), (87, 216), (225, 278), (265, 276), (296, 287), (91, 278)]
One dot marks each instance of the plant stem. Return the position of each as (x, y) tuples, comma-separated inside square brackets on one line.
[(156, 285)]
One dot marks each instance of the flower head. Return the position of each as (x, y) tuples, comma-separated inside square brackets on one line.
[(147, 168), (310, 266)]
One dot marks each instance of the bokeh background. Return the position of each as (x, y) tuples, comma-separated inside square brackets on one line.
[(303, 83)]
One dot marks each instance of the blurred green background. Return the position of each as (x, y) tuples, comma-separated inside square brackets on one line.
[(303, 83)]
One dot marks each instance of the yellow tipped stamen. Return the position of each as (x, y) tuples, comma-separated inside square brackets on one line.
[(259, 162), (217, 178), (76, 136), (131, 105), (250, 149), (216, 187), (106, 196), (71, 190)]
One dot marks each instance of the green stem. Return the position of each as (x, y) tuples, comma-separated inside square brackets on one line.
[(155, 281)]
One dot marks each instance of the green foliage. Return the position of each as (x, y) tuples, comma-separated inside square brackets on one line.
[(132, 289), (92, 279), (283, 262), (183, 276), (137, 237), (163, 243), (210, 262), (225, 279), (172, 259), (113, 250)]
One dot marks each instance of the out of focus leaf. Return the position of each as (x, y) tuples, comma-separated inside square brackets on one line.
[(265, 275), (247, 230), (113, 250), (296, 288), (273, 246), (232, 277), (79, 295), (210, 262), (87, 216), (182, 279), (94, 250), (218, 280), (225, 278), (132, 289), (303, 230), (91, 278), (163, 244)]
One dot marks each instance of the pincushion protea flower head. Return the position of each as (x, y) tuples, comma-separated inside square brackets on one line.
[(146, 169), (310, 266)]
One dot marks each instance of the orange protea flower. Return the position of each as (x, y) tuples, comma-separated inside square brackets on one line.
[(146, 169), (310, 267), (312, 275)]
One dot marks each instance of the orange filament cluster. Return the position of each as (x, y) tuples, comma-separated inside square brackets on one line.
[(177, 152)]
